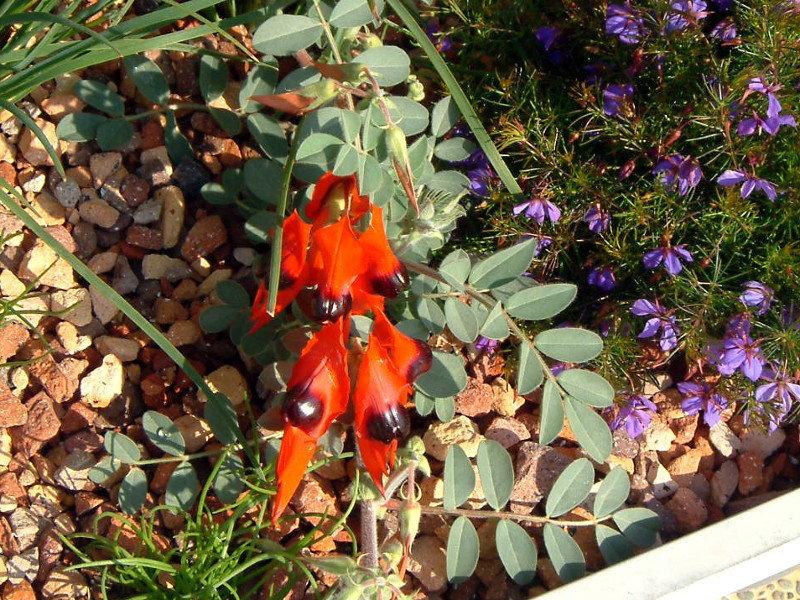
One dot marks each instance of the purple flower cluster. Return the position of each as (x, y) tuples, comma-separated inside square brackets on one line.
[(625, 22), (678, 173), (661, 321), (774, 120), (671, 256), (615, 97), (701, 396), (634, 412), (750, 183)]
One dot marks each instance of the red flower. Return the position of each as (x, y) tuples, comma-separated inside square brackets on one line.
[(334, 261), (317, 393), (380, 415), (333, 272)]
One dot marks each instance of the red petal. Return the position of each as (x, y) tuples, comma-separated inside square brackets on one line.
[(411, 357), (337, 194), (294, 247), (386, 273), (335, 260), (297, 448), (380, 416)]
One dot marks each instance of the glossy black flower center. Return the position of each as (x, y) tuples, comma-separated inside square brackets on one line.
[(388, 425), (302, 409)]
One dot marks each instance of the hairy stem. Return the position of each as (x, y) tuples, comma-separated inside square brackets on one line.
[(494, 514)]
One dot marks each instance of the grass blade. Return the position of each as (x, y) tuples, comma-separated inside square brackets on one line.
[(458, 95)]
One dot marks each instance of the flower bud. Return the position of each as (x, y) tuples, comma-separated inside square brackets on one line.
[(409, 522), (416, 91), (396, 144), (371, 41)]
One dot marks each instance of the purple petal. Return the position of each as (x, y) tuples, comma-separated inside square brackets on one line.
[(748, 187), (692, 405), (672, 264), (793, 389), (751, 368), (765, 393), (683, 253), (768, 188), (644, 307), (771, 125), (733, 358), (712, 414), (774, 107), (730, 177), (650, 328), (690, 388), (745, 127), (653, 258), (553, 212), (520, 208)]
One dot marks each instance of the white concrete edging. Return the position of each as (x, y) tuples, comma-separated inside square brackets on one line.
[(730, 555)]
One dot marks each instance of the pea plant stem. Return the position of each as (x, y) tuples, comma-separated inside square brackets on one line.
[(393, 504)]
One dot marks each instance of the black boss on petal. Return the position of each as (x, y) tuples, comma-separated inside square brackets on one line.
[(389, 285), (302, 409), (389, 425), (326, 309)]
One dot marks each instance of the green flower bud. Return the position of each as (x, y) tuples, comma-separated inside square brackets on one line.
[(409, 522), (416, 91), (371, 41)]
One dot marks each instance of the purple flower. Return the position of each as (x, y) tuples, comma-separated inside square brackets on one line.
[(442, 42), (547, 36), (614, 96), (603, 279), (634, 413), (550, 37), (701, 396), (686, 12), (479, 172), (779, 387), (598, 219), (757, 294), (661, 321), (740, 351), (538, 209), (725, 30), (488, 345), (774, 120), (544, 242), (671, 256), (678, 172), (625, 22), (750, 183)]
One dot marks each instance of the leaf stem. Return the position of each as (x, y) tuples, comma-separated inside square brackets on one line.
[(495, 514)]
